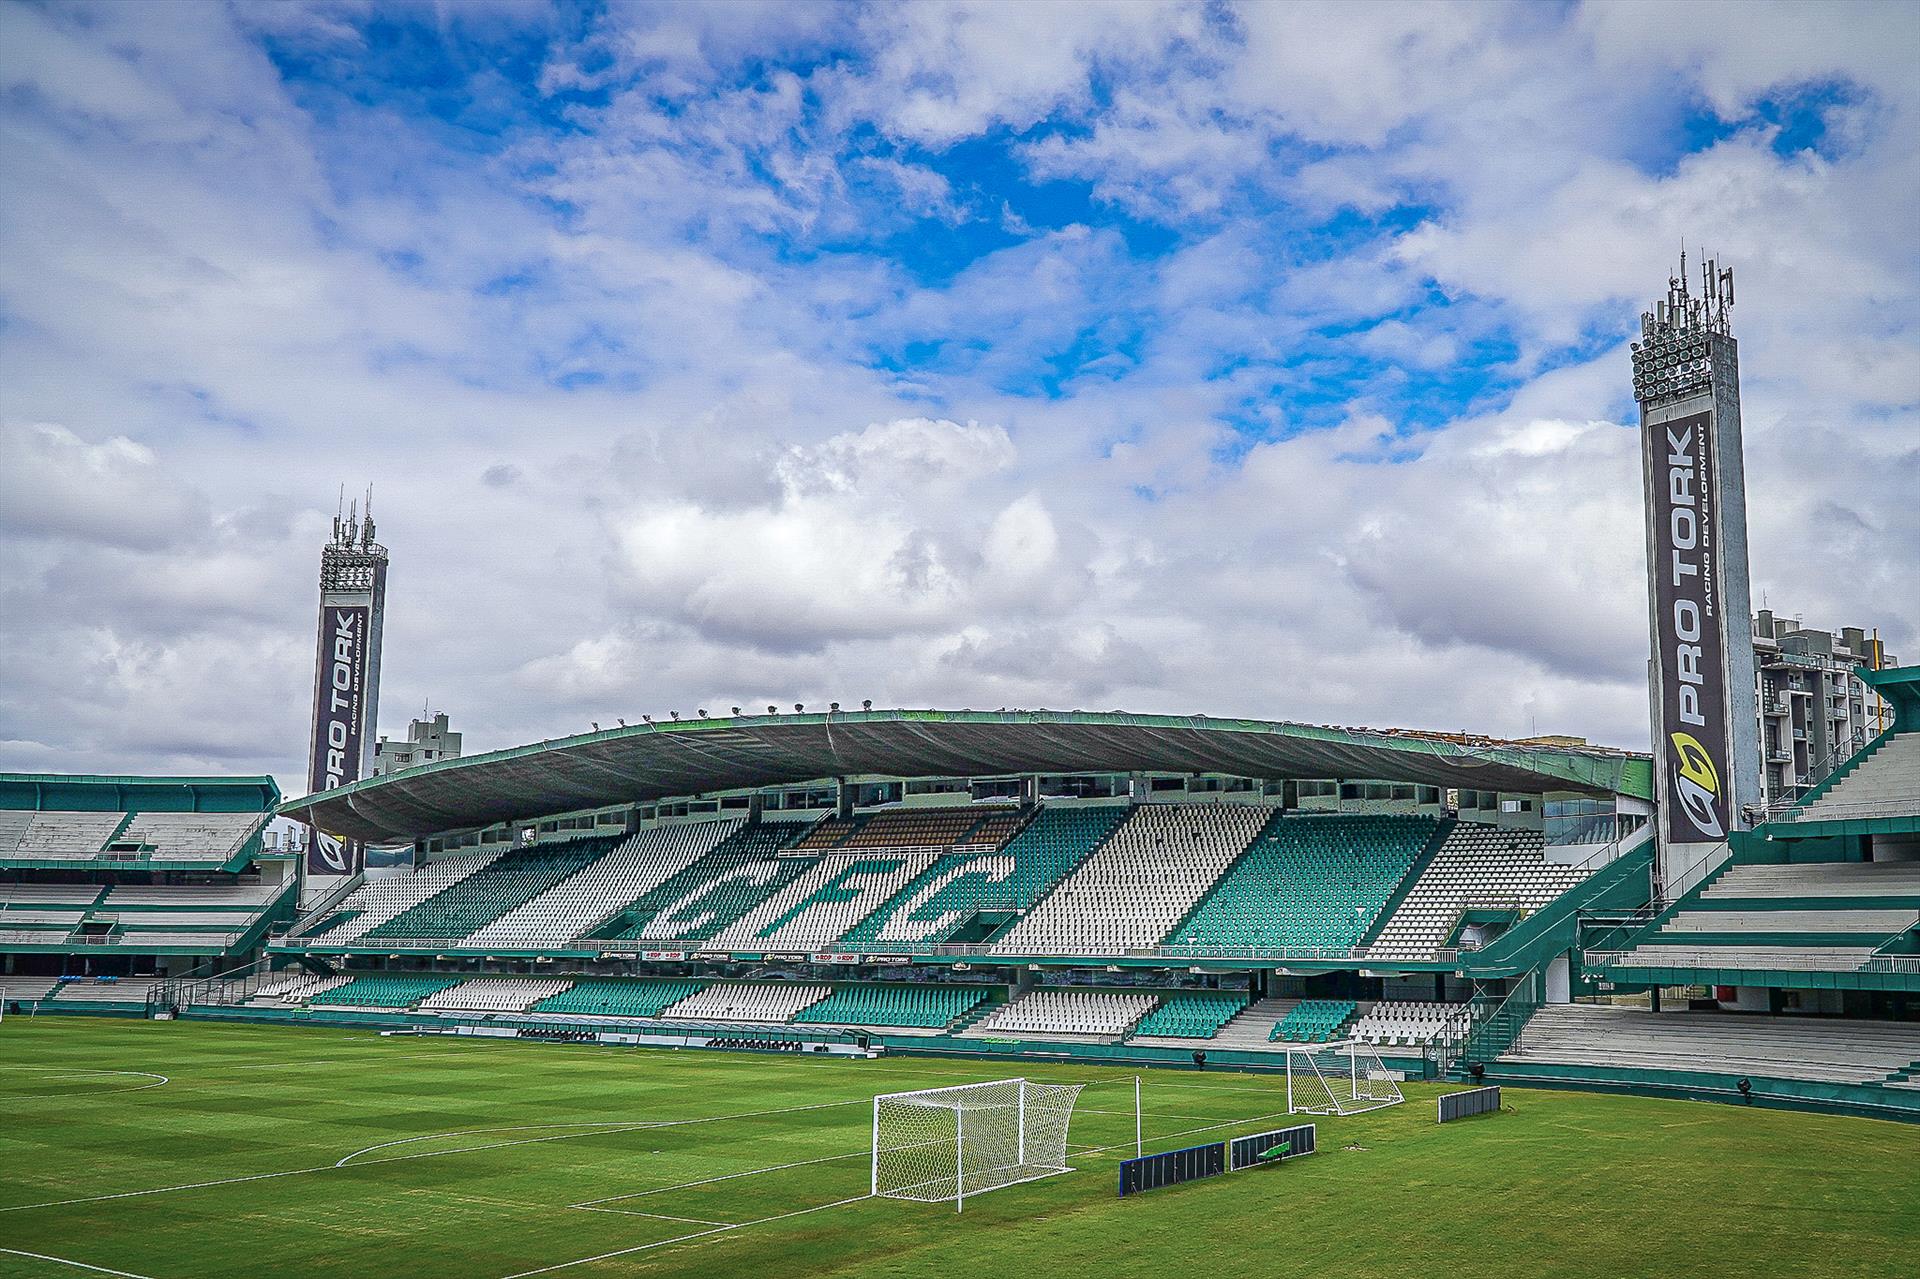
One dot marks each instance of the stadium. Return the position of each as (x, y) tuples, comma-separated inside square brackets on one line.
[(812, 988)]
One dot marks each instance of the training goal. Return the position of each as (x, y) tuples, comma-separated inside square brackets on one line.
[(1338, 1079), (944, 1144)]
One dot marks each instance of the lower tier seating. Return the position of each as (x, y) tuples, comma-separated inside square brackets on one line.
[(1313, 1021), (764, 1002), (1404, 1022), (921, 1005), (619, 996), (385, 990), (494, 994), (1826, 1049), (1195, 1014), (1103, 1013)]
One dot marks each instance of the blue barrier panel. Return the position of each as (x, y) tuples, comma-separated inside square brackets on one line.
[(1150, 1172), (1271, 1147), (1475, 1101)]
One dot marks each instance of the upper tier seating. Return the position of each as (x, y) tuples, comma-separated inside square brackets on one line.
[(495, 994), (716, 890), (1313, 1021), (634, 867), (761, 1002), (509, 881), (1476, 865), (619, 996), (38, 926), (1403, 1022), (60, 834), (815, 910), (1140, 883), (953, 889), (1047, 1012), (928, 1005), (1309, 882), (1810, 917), (191, 836), (379, 900), (1196, 1014), (1866, 881), (260, 894), (1885, 784), (1826, 1049), (385, 990), (14, 825), (12, 895)]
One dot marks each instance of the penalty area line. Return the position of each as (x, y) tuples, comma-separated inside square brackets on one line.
[(68, 1261)]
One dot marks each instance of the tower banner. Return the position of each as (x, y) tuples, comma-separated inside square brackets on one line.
[(1688, 607), (339, 724)]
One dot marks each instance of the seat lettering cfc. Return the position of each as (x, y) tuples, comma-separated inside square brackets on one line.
[(339, 721), (1688, 628)]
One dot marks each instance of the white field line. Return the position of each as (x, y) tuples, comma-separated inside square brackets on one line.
[(698, 1234), (661, 1216), (78, 1265), (68, 1072)]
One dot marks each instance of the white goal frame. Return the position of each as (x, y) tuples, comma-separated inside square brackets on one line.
[(1344, 1078), (936, 1145)]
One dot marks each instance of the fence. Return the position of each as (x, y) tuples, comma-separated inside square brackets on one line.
[(1151, 1172), (1462, 1105)]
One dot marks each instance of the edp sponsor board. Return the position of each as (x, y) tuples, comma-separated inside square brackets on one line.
[(339, 723), (1690, 665), (1271, 1147), (1475, 1101)]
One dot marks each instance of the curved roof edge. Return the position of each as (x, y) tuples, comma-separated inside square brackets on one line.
[(646, 762)]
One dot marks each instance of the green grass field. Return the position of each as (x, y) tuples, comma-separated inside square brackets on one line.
[(177, 1150)]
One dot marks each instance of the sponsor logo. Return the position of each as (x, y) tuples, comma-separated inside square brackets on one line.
[(332, 854), (720, 956), (890, 961), (664, 954), (835, 957), (1696, 785)]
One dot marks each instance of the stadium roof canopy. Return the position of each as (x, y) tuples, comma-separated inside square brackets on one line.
[(646, 762)]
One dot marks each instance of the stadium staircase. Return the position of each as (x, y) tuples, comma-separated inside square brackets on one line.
[(1251, 1029)]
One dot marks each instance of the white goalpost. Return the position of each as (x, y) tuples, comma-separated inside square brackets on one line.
[(941, 1144), (1338, 1079)]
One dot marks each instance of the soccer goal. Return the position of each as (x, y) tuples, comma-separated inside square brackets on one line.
[(942, 1144), (1338, 1079)]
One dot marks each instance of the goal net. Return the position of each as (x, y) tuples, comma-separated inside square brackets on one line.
[(1338, 1079), (942, 1144)]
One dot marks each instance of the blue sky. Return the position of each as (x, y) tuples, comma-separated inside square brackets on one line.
[(1258, 360)]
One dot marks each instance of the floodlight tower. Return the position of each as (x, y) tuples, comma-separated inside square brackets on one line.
[(346, 682), (1686, 376)]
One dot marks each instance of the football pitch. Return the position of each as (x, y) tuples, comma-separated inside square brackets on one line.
[(197, 1151)]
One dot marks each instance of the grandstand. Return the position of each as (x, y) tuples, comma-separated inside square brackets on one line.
[(131, 879)]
